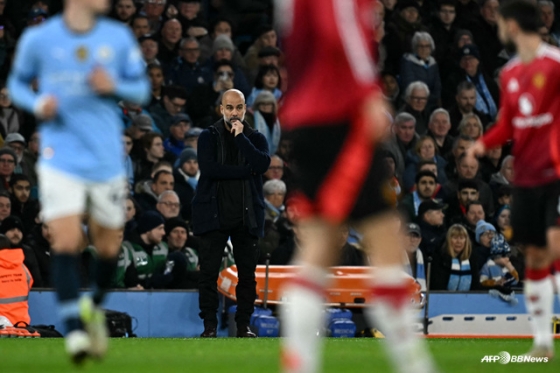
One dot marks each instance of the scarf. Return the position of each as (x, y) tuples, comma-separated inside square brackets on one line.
[(417, 201), (420, 269), (273, 211), (191, 180), (484, 101), (461, 275), (273, 138)]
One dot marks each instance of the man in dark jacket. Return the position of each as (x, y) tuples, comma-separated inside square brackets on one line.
[(430, 220), (186, 173), (229, 202)]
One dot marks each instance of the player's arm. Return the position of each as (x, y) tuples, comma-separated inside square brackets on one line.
[(376, 114), (131, 83), (211, 167), (24, 70)]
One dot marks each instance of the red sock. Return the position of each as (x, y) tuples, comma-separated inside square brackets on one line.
[(534, 274), (556, 266), (395, 295)]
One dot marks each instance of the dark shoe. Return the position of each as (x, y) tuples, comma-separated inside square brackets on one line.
[(209, 332), (245, 332)]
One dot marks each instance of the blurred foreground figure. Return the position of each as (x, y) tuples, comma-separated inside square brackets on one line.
[(530, 114), (85, 64), (338, 117)]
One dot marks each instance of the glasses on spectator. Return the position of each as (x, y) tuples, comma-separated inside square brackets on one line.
[(8, 161), (418, 98), (17, 147), (171, 204), (424, 46), (279, 168)]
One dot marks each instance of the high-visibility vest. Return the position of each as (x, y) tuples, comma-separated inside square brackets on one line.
[(15, 283)]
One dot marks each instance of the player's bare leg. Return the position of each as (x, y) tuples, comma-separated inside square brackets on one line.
[(66, 237), (391, 307), (539, 299), (107, 242), (303, 317)]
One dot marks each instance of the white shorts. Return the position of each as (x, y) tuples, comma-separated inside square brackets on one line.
[(62, 195)]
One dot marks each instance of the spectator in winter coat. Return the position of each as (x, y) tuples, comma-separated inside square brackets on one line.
[(421, 66)]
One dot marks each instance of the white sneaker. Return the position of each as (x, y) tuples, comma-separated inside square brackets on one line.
[(94, 322), (77, 345)]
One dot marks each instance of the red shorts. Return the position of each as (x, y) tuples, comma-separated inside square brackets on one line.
[(338, 173)]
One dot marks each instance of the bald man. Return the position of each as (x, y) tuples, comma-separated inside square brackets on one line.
[(229, 202)]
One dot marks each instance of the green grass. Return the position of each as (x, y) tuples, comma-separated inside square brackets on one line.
[(248, 356)]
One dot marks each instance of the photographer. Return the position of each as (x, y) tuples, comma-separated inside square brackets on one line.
[(204, 103)]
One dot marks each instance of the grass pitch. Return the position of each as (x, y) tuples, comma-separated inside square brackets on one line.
[(255, 355)]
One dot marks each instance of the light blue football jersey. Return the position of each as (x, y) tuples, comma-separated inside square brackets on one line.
[(84, 139)]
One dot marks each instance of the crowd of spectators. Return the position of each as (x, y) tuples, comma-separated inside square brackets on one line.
[(438, 62)]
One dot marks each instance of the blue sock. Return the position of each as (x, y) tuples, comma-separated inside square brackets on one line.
[(104, 272), (66, 281)]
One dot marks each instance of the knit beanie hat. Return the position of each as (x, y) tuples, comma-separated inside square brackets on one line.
[(265, 97), (148, 221), (8, 150), (499, 246), (221, 42), (186, 155), (174, 223), (10, 223), (482, 227)]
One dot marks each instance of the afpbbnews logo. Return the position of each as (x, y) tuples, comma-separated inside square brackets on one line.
[(505, 358)]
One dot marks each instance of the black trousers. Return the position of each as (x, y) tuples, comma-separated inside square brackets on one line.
[(245, 253)]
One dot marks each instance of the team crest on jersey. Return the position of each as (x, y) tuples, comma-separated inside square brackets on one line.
[(526, 104), (104, 54), (513, 86), (48, 153), (82, 53), (538, 80)]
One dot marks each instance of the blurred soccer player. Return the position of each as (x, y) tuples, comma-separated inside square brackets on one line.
[(84, 63), (336, 112), (530, 115)]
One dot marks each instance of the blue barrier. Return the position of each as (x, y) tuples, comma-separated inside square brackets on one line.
[(157, 314), (175, 313)]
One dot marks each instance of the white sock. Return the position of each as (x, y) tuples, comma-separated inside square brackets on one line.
[(393, 315), (302, 319), (539, 298)]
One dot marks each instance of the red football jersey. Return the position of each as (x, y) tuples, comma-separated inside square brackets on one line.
[(530, 115), (331, 69)]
